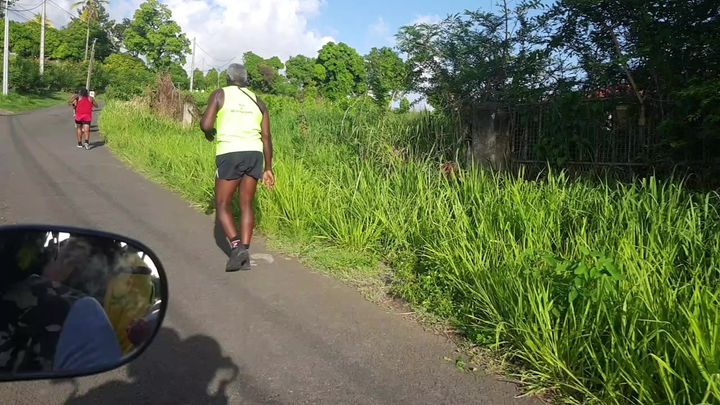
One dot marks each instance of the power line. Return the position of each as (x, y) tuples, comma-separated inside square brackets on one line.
[(18, 15), (222, 67), (27, 9), (62, 8), (212, 57), (20, 20)]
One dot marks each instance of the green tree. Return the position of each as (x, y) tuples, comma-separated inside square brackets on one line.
[(65, 75), (663, 50), (90, 13), (198, 80), (212, 79), (387, 75), (475, 57), (304, 75), (25, 75), (345, 73), (71, 38), (153, 35), (252, 63), (270, 72), (117, 32), (24, 39), (658, 44), (281, 86), (127, 75), (179, 76), (37, 19), (303, 71), (223, 78), (262, 73)]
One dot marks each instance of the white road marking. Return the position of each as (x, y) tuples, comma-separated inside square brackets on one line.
[(269, 259)]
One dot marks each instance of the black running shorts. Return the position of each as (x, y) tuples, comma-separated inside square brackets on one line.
[(235, 165), (82, 122)]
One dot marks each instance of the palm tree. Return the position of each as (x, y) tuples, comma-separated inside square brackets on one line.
[(37, 19), (90, 12)]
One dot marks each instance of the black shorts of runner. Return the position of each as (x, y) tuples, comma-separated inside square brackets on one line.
[(82, 122), (235, 165)]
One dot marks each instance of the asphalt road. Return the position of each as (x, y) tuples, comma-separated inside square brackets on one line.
[(277, 334)]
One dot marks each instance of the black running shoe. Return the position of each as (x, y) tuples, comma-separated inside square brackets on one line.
[(239, 259)]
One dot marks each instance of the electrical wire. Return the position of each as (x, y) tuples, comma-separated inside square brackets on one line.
[(211, 57), (62, 8), (23, 15), (27, 9)]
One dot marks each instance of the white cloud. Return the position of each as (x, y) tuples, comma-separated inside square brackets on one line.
[(379, 28), (223, 28), (229, 28), (427, 19), (378, 35), (120, 9)]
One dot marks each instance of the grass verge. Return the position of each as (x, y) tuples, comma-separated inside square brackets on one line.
[(603, 293), (17, 103)]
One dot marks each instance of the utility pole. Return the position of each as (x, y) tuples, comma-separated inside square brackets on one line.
[(42, 39), (90, 64), (192, 67), (6, 49)]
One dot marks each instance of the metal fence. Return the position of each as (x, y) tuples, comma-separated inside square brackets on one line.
[(611, 132)]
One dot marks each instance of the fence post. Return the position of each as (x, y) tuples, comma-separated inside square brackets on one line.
[(490, 136), (187, 115)]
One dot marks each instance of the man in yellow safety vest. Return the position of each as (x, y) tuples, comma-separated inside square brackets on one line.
[(239, 124)]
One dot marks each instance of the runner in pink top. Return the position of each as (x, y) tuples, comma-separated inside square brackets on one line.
[(83, 117)]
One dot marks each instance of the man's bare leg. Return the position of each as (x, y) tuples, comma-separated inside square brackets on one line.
[(86, 128), (78, 134), (224, 190), (248, 186)]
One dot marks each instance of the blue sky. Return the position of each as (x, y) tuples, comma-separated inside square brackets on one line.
[(367, 23)]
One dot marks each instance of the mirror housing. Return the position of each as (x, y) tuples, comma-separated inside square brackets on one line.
[(75, 302)]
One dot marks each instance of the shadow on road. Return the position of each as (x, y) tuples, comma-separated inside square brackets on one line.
[(174, 371), (97, 144), (220, 239)]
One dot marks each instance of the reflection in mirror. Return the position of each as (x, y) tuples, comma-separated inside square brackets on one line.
[(73, 303)]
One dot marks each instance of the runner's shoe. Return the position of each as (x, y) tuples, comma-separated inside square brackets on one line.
[(239, 259)]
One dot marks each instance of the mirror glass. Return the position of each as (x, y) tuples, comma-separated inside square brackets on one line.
[(74, 302)]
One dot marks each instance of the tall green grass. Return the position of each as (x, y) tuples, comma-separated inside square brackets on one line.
[(604, 293)]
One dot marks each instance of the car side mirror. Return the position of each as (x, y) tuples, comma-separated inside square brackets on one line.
[(75, 302)]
